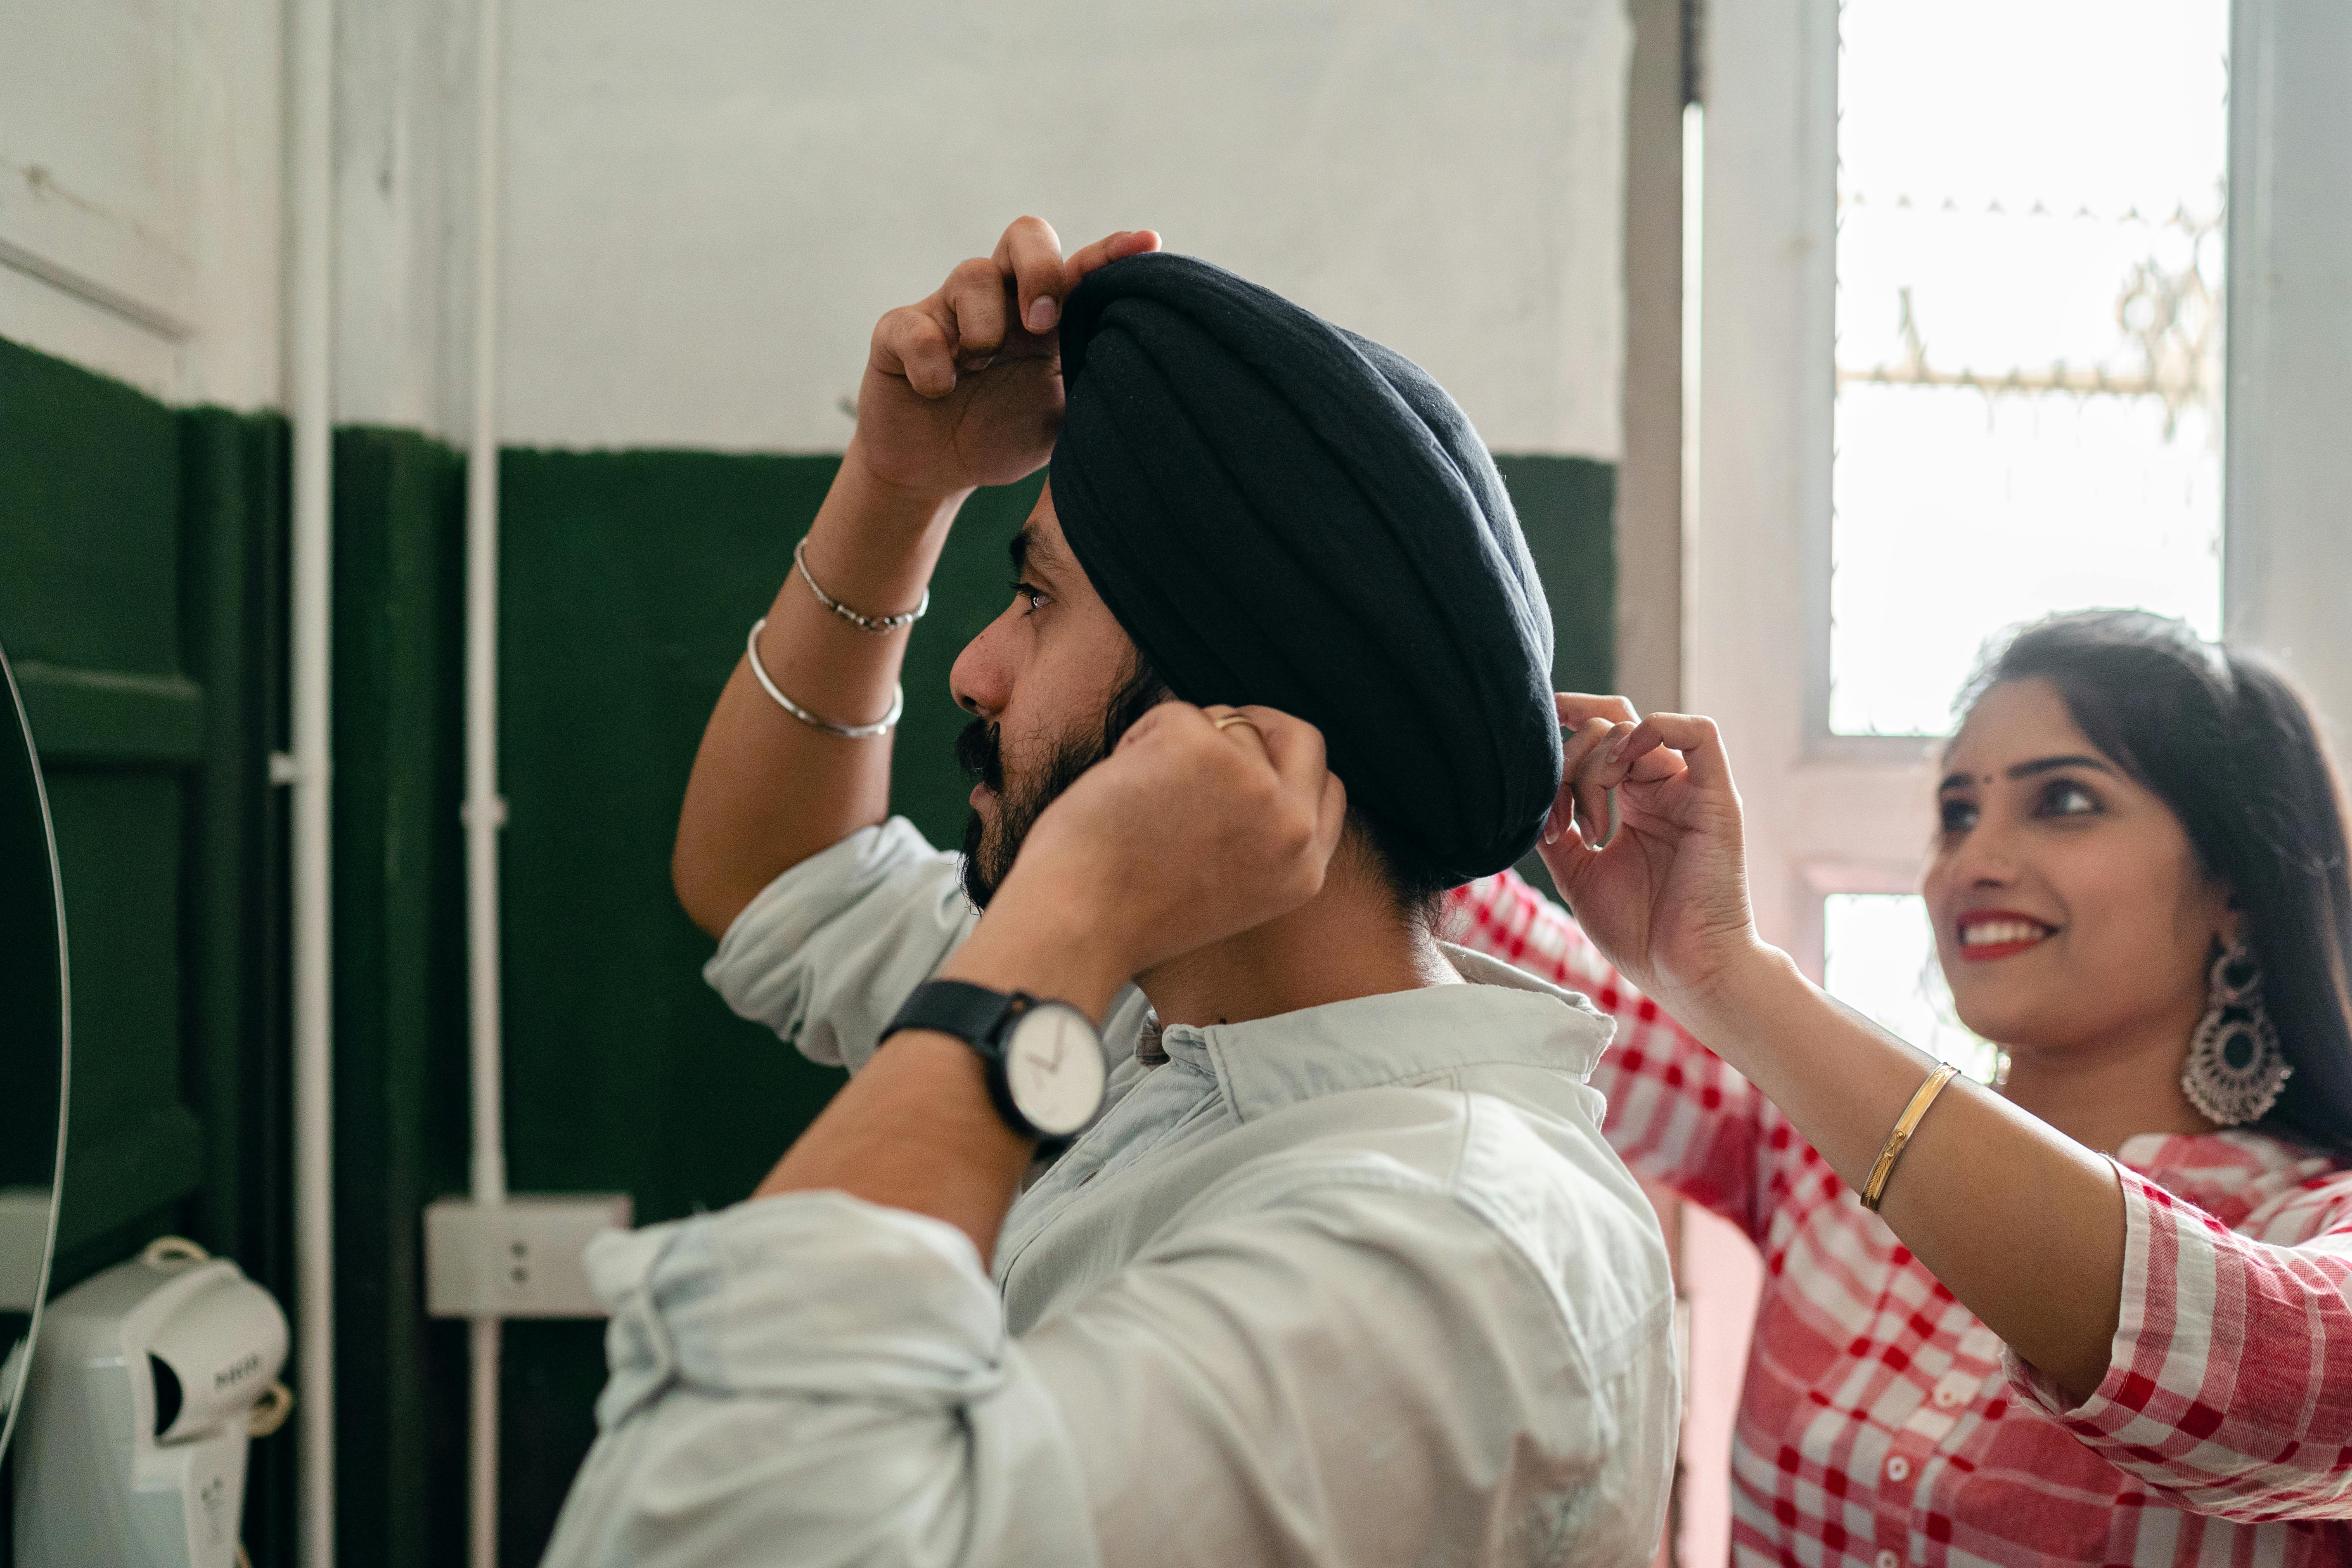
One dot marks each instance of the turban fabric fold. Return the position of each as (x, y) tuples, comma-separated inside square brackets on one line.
[(1280, 511)]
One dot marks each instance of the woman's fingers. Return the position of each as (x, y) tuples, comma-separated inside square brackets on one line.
[(1578, 709), (1584, 740), (1606, 753), (1669, 743)]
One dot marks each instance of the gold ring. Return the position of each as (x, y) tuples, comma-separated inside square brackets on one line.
[(1229, 719)]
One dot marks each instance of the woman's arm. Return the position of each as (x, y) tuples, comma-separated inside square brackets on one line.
[(2024, 1226), (2230, 1389), (1679, 1116), (2022, 1223)]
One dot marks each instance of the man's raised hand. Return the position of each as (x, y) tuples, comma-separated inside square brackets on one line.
[(1202, 824), (964, 388)]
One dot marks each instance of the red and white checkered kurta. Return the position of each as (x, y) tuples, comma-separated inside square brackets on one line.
[(1882, 1424)]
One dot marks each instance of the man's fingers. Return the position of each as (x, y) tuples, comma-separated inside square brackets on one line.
[(1331, 818), (1111, 247), (1031, 254), (916, 345), (1293, 746), (974, 295)]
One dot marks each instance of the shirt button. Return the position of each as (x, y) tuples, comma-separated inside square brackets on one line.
[(1955, 1389), (1898, 1468), (1889, 1560)]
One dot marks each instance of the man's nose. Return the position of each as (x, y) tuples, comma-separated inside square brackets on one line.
[(978, 680)]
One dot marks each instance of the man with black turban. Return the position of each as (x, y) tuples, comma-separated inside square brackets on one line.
[(1197, 1211)]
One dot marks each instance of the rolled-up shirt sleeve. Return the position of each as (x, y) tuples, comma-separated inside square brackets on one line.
[(1295, 1378), (828, 950), (815, 1380), (2229, 1386)]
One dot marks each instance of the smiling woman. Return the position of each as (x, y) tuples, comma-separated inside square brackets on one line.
[(2143, 812), (2103, 1317)]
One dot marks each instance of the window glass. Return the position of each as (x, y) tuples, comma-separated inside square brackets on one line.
[(2029, 331), (1879, 958)]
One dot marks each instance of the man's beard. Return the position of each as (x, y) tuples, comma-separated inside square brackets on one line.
[(988, 856)]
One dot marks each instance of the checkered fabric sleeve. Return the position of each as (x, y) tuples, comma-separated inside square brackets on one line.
[(1677, 1115), (2228, 1391)]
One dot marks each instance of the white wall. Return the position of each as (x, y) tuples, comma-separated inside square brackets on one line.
[(2288, 579), (140, 162), (709, 203)]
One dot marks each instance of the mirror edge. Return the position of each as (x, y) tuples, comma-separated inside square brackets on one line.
[(64, 1060)]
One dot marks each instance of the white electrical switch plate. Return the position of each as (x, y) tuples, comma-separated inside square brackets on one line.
[(515, 1259)]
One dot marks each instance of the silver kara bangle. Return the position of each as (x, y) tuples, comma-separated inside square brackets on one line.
[(881, 726), (874, 624)]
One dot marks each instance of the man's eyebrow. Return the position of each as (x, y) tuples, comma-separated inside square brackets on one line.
[(1951, 781), (1031, 551), (2052, 764)]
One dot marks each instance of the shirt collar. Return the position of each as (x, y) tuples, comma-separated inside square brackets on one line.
[(1504, 1016)]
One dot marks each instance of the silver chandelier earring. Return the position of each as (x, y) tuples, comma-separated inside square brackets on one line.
[(2235, 1067)]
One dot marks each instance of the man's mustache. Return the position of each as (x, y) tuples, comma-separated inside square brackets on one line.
[(979, 751)]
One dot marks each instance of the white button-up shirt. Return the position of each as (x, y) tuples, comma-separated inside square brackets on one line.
[(1358, 1284)]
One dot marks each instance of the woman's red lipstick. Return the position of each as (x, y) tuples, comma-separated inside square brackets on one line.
[(1988, 935)]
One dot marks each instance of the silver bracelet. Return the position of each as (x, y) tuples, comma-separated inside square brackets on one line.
[(881, 726), (874, 624)]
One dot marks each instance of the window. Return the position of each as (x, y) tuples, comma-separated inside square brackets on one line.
[(2029, 276), (1880, 960)]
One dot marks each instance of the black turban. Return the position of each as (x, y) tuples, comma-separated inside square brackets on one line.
[(1279, 511)]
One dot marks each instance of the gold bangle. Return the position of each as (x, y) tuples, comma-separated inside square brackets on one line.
[(1905, 1125)]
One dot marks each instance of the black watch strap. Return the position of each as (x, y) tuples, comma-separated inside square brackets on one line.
[(972, 1014)]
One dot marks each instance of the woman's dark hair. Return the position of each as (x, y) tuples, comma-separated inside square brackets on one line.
[(2221, 737)]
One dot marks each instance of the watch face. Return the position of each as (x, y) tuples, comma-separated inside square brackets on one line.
[(1054, 1066)]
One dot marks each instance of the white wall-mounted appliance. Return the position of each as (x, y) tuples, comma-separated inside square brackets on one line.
[(148, 1382)]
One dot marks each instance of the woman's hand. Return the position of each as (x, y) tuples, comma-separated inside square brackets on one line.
[(964, 388), (1666, 896), (1201, 823)]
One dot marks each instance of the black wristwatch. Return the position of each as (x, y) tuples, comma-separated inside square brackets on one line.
[(1044, 1059)]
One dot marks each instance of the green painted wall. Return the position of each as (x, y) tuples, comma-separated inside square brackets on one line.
[(147, 546), (140, 602)]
